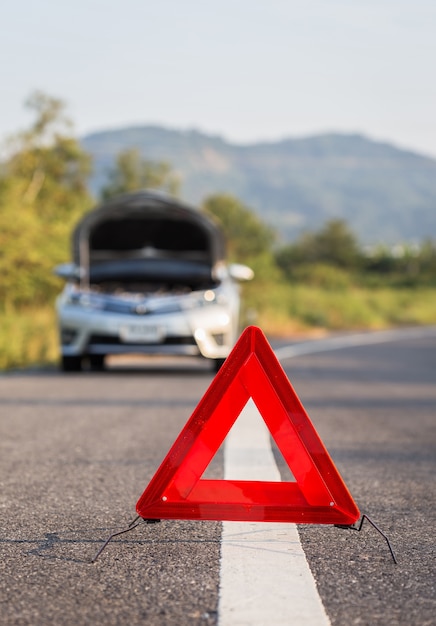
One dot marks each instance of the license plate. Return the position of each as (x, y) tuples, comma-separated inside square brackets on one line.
[(138, 333)]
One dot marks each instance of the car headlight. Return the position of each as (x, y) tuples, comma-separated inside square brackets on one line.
[(199, 300), (84, 300), (209, 296)]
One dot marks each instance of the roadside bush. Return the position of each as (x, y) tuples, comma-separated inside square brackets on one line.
[(28, 337), (323, 276)]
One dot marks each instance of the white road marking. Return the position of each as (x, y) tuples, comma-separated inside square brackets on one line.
[(264, 577)]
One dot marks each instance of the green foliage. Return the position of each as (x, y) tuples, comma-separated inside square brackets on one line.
[(132, 173), (28, 337), (334, 245), (285, 310), (246, 235), (401, 266), (323, 276), (43, 191), (333, 257)]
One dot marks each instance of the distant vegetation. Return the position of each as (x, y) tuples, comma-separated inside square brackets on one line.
[(131, 172), (325, 279)]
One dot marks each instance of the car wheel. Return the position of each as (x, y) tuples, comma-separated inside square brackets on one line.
[(217, 364), (96, 362), (71, 363)]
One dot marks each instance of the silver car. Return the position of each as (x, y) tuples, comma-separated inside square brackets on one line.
[(148, 276)]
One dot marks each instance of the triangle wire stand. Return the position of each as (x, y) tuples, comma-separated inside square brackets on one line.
[(133, 524), (358, 526), (138, 520)]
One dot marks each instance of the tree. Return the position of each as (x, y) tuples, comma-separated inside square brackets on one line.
[(333, 245), (247, 236), (43, 191), (131, 172)]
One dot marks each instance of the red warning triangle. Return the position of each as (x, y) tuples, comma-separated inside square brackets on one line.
[(318, 494)]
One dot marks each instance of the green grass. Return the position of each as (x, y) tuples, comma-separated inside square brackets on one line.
[(285, 309), (29, 336)]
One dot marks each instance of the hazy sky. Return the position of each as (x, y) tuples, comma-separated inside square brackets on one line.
[(243, 69)]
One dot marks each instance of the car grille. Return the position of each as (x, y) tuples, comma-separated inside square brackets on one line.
[(127, 308), (115, 341)]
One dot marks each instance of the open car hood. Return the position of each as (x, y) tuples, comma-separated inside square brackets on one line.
[(147, 236)]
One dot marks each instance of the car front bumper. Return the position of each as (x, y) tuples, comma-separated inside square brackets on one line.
[(206, 332)]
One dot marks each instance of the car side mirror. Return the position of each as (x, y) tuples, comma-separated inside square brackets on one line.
[(240, 272), (68, 271)]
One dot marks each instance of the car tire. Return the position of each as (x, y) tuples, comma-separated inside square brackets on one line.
[(96, 362), (217, 365), (71, 363)]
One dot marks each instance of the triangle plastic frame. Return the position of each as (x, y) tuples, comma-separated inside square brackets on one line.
[(318, 494)]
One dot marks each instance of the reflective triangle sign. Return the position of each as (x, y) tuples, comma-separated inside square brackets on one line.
[(318, 494)]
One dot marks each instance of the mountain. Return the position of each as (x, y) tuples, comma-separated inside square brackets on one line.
[(385, 194)]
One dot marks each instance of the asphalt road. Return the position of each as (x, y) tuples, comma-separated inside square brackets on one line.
[(77, 451)]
